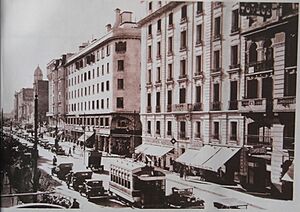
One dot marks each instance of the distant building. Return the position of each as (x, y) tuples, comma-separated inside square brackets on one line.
[(40, 88), (103, 88), (23, 104)]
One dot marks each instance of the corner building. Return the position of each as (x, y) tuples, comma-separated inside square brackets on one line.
[(191, 81), (102, 89)]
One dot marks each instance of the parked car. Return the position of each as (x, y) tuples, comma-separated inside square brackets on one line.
[(49, 146), (184, 198), (93, 189), (78, 178), (230, 203), (94, 161), (62, 170)]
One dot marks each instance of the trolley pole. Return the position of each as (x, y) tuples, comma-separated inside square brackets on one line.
[(35, 151)]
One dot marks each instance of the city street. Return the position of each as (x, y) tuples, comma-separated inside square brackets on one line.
[(207, 191)]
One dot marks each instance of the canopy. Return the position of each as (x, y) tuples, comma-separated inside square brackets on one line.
[(289, 175), (153, 150), (187, 156), (85, 136), (220, 158), (203, 155)]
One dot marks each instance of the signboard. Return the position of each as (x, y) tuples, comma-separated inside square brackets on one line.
[(243, 162), (256, 9), (173, 141)]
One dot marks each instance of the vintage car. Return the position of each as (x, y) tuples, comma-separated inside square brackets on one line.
[(49, 146), (43, 142), (94, 161), (184, 198), (62, 170), (93, 189), (58, 150), (77, 179), (230, 203)]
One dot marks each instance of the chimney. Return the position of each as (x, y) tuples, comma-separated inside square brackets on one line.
[(108, 27), (126, 16), (118, 18), (83, 45)]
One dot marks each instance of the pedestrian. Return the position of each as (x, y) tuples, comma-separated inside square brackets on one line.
[(69, 178), (70, 151), (75, 204), (74, 149), (54, 160)]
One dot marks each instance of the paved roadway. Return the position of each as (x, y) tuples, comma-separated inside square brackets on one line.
[(209, 192)]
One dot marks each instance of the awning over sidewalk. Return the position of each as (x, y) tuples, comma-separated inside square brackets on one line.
[(203, 155), (153, 150), (187, 156), (220, 158), (85, 136), (289, 175)]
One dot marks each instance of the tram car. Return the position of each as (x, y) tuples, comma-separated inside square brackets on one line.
[(138, 184)]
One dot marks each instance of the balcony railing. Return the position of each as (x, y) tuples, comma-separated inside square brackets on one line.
[(260, 66), (197, 106), (233, 105), (259, 140), (216, 70), (169, 108), (148, 109), (234, 66), (283, 104), (254, 105), (182, 76), (157, 109), (182, 107), (216, 105)]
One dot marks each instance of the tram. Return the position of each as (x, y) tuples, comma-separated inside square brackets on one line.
[(138, 184)]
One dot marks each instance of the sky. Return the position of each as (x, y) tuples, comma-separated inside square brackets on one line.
[(33, 32)]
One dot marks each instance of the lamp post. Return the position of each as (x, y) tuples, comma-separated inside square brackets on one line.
[(35, 151), (83, 127)]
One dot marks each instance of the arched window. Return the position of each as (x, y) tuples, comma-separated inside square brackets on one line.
[(253, 53)]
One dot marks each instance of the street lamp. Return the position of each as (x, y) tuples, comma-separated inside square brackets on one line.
[(83, 127)]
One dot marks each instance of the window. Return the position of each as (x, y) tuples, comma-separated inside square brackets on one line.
[(107, 103), (216, 92), (89, 90), (89, 75), (107, 85), (198, 129), (291, 44), (233, 134), (216, 130), (149, 30), (93, 105), (150, 6), (149, 53), (183, 40), (149, 100), (98, 72), (158, 75), (198, 94), (149, 76), (170, 45), (93, 73), (159, 26), (170, 19), (234, 56), (120, 65), (182, 95), (198, 65), (199, 34), (107, 50), (182, 68), (97, 103), (235, 21), (182, 129), (217, 60), (107, 67), (158, 127), (120, 84), (199, 7), (157, 99), (169, 106), (120, 47), (149, 127), (101, 122), (183, 12), (217, 31), (85, 77), (98, 88), (169, 128), (120, 102), (158, 50), (290, 81), (102, 103), (102, 70), (170, 71), (233, 104), (252, 53), (102, 86), (252, 89)]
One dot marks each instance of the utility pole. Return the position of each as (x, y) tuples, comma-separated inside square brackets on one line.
[(35, 151)]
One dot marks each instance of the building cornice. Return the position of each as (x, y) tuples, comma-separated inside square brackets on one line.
[(166, 8)]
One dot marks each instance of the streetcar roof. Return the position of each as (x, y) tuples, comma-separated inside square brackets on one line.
[(128, 164)]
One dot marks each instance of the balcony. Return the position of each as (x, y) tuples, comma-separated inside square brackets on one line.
[(198, 75), (235, 29), (149, 84), (182, 78), (170, 26), (199, 42), (197, 106), (216, 70), (216, 105), (157, 109), (257, 140), (169, 108), (148, 109), (184, 107), (183, 49), (260, 66), (149, 60), (157, 83), (233, 105), (233, 67), (217, 37), (253, 105), (158, 57), (182, 135), (170, 80), (285, 104), (170, 53)]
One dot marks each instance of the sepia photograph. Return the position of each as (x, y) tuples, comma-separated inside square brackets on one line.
[(140, 104)]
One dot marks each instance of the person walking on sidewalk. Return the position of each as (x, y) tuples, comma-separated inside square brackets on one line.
[(74, 149), (70, 151)]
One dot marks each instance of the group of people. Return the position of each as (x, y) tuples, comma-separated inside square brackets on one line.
[(59, 200)]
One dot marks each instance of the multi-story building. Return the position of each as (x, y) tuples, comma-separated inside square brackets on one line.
[(24, 106), (56, 76), (103, 89), (269, 40), (40, 88), (191, 81)]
